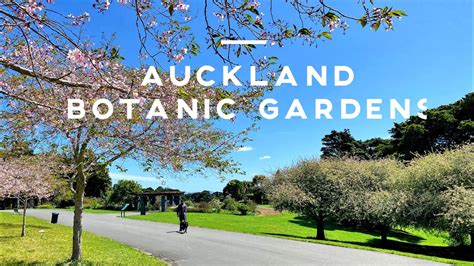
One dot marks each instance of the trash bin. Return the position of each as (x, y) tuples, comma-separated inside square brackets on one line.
[(54, 218)]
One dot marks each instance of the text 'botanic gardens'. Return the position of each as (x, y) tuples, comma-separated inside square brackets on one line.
[(186, 106)]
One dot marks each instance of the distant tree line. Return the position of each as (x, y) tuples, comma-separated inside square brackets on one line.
[(446, 127)]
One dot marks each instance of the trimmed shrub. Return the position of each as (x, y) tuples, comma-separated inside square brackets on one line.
[(45, 206), (204, 206), (93, 203), (243, 208), (189, 203), (230, 204), (64, 200), (215, 205)]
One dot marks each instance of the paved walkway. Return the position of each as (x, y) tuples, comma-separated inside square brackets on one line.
[(213, 247)]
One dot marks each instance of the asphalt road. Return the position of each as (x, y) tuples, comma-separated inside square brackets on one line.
[(202, 246)]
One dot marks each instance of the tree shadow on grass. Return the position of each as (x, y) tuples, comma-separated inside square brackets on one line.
[(16, 225), (394, 233), (65, 262)]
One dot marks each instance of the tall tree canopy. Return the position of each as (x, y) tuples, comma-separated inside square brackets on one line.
[(339, 144), (446, 126)]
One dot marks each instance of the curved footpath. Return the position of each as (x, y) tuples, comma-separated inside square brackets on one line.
[(213, 247)]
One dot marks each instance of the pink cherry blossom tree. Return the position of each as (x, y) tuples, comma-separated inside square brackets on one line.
[(183, 145), (26, 178)]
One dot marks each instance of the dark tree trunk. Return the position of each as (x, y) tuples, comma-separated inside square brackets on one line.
[(23, 226), (320, 227), (384, 234), (78, 206)]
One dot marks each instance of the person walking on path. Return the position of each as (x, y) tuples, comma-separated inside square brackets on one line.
[(181, 213)]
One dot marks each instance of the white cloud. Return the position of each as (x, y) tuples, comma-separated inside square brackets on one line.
[(118, 176), (266, 157), (244, 149)]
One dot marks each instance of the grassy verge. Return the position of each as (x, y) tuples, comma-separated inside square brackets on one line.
[(50, 244), (408, 242)]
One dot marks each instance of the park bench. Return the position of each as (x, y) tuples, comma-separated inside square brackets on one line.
[(124, 208)]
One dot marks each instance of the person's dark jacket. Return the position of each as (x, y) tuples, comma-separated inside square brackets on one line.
[(181, 212)]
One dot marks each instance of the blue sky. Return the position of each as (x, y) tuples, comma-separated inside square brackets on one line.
[(429, 55)]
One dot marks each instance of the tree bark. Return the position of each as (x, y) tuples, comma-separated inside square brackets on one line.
[(78, 207), (320, 227), (23, 226), (384, 234)]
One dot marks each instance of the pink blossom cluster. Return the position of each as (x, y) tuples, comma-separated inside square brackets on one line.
[(87, 60), (182, 6), (179, 5), (34, 7), (255, 4), (180, 55), (79, 20), (333, 24)]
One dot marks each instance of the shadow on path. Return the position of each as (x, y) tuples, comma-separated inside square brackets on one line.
[(456, 253)]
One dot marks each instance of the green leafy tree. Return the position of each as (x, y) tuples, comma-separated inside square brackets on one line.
[(98, 183), (204, 196), (445, 127), (235, 188), (258, 191), (377, 148), (229, 204), (338, 144), (123, 191)]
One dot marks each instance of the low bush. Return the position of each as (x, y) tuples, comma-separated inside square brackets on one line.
[(93, 203), (45, 206), (189, 203), (230, 204), (215, 205), (204, 206), (251, 205), (194, 209), (243, 208), (246, 207), (63, 202)]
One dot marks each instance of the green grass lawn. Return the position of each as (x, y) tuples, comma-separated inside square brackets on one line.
[(408, 242), (51, 244)]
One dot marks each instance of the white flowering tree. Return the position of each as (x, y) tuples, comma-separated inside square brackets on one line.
[(440, 187), (306, 188), (458, 213), (368, 195), (26, 178)]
